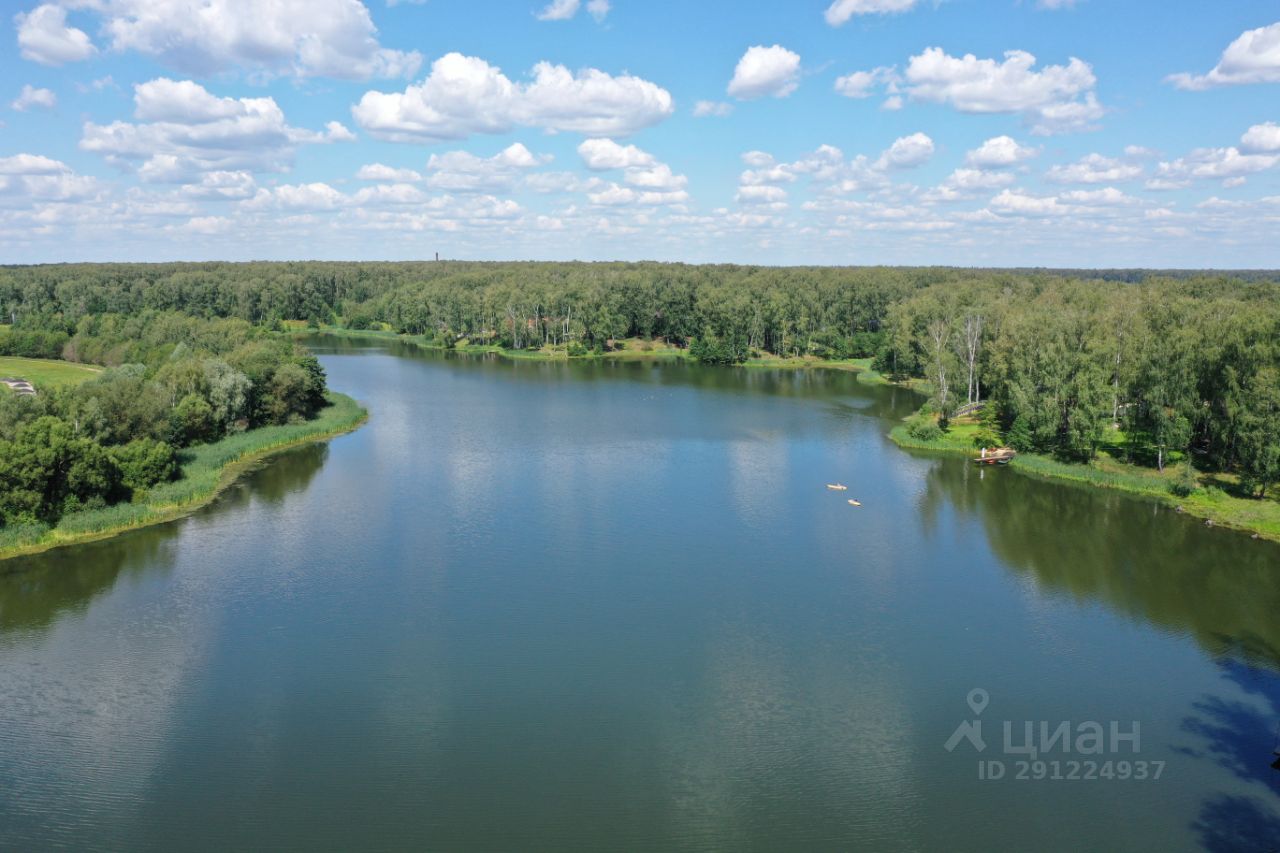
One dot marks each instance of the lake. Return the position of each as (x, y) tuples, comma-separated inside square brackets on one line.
[(588, 606)]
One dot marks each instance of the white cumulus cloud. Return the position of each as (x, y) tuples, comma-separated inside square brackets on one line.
[(759, 194), (656, 177), (184, 130), (463, 95), (907, 152), (32, 164), (1106, 197), (462, 171), (598, 9), (602, 154), (559, 10), (617, 196), (832, 173), (331, 38), (386, 174), (998, 152), (1261, 138), (1019, 203), (181, 101), (313, 196), (1254, 57), (222, 185), (45, 37), (767, 173), (32, 98), (640, 169), (1261, 144), (1094, 169), (1054, 98), (841, 11), (1211, 163), (27, 179), (862, 84), (765, 71), (966, 182), (564, 10), (207, 225)]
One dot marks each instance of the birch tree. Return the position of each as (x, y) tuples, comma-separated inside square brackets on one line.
[(939, 334)]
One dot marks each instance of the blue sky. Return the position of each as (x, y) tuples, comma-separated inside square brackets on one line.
[(972, 132)]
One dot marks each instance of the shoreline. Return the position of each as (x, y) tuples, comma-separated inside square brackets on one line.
[(1260, 517), (1208, 503), (657, 353), (203, 483)]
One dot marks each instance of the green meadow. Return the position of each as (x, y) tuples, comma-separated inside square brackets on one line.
[(43, 373)]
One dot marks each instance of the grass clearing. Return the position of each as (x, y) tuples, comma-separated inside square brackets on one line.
[(45, 373), (207, 469)]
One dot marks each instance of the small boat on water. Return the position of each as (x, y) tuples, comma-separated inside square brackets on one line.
[(837, 487), (852, 502), (995, 456)]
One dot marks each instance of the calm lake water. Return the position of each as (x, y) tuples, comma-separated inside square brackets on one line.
[(613, 606)]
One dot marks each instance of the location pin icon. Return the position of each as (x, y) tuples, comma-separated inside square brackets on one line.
[(978, 700)]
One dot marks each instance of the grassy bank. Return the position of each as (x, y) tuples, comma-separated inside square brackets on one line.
[(857, 365), (206, 470), (1211, 501)]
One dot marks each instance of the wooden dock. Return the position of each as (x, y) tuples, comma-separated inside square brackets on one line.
[(995, 456)]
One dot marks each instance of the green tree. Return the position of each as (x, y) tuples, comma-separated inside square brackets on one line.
[(192, 421), (1259, 431), (229, 391), (144, 462)]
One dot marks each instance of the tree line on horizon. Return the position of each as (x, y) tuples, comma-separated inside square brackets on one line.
[(1184, 365)]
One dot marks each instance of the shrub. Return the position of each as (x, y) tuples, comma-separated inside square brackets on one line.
[(924, 428), (986, 438), (1186, 482), (712, 351)]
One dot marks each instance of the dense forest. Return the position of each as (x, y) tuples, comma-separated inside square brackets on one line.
[(1182, 366), (173, 381)]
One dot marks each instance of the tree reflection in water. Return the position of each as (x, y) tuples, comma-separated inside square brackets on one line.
[(38, 590), (1131, 555), (1240, 736)]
